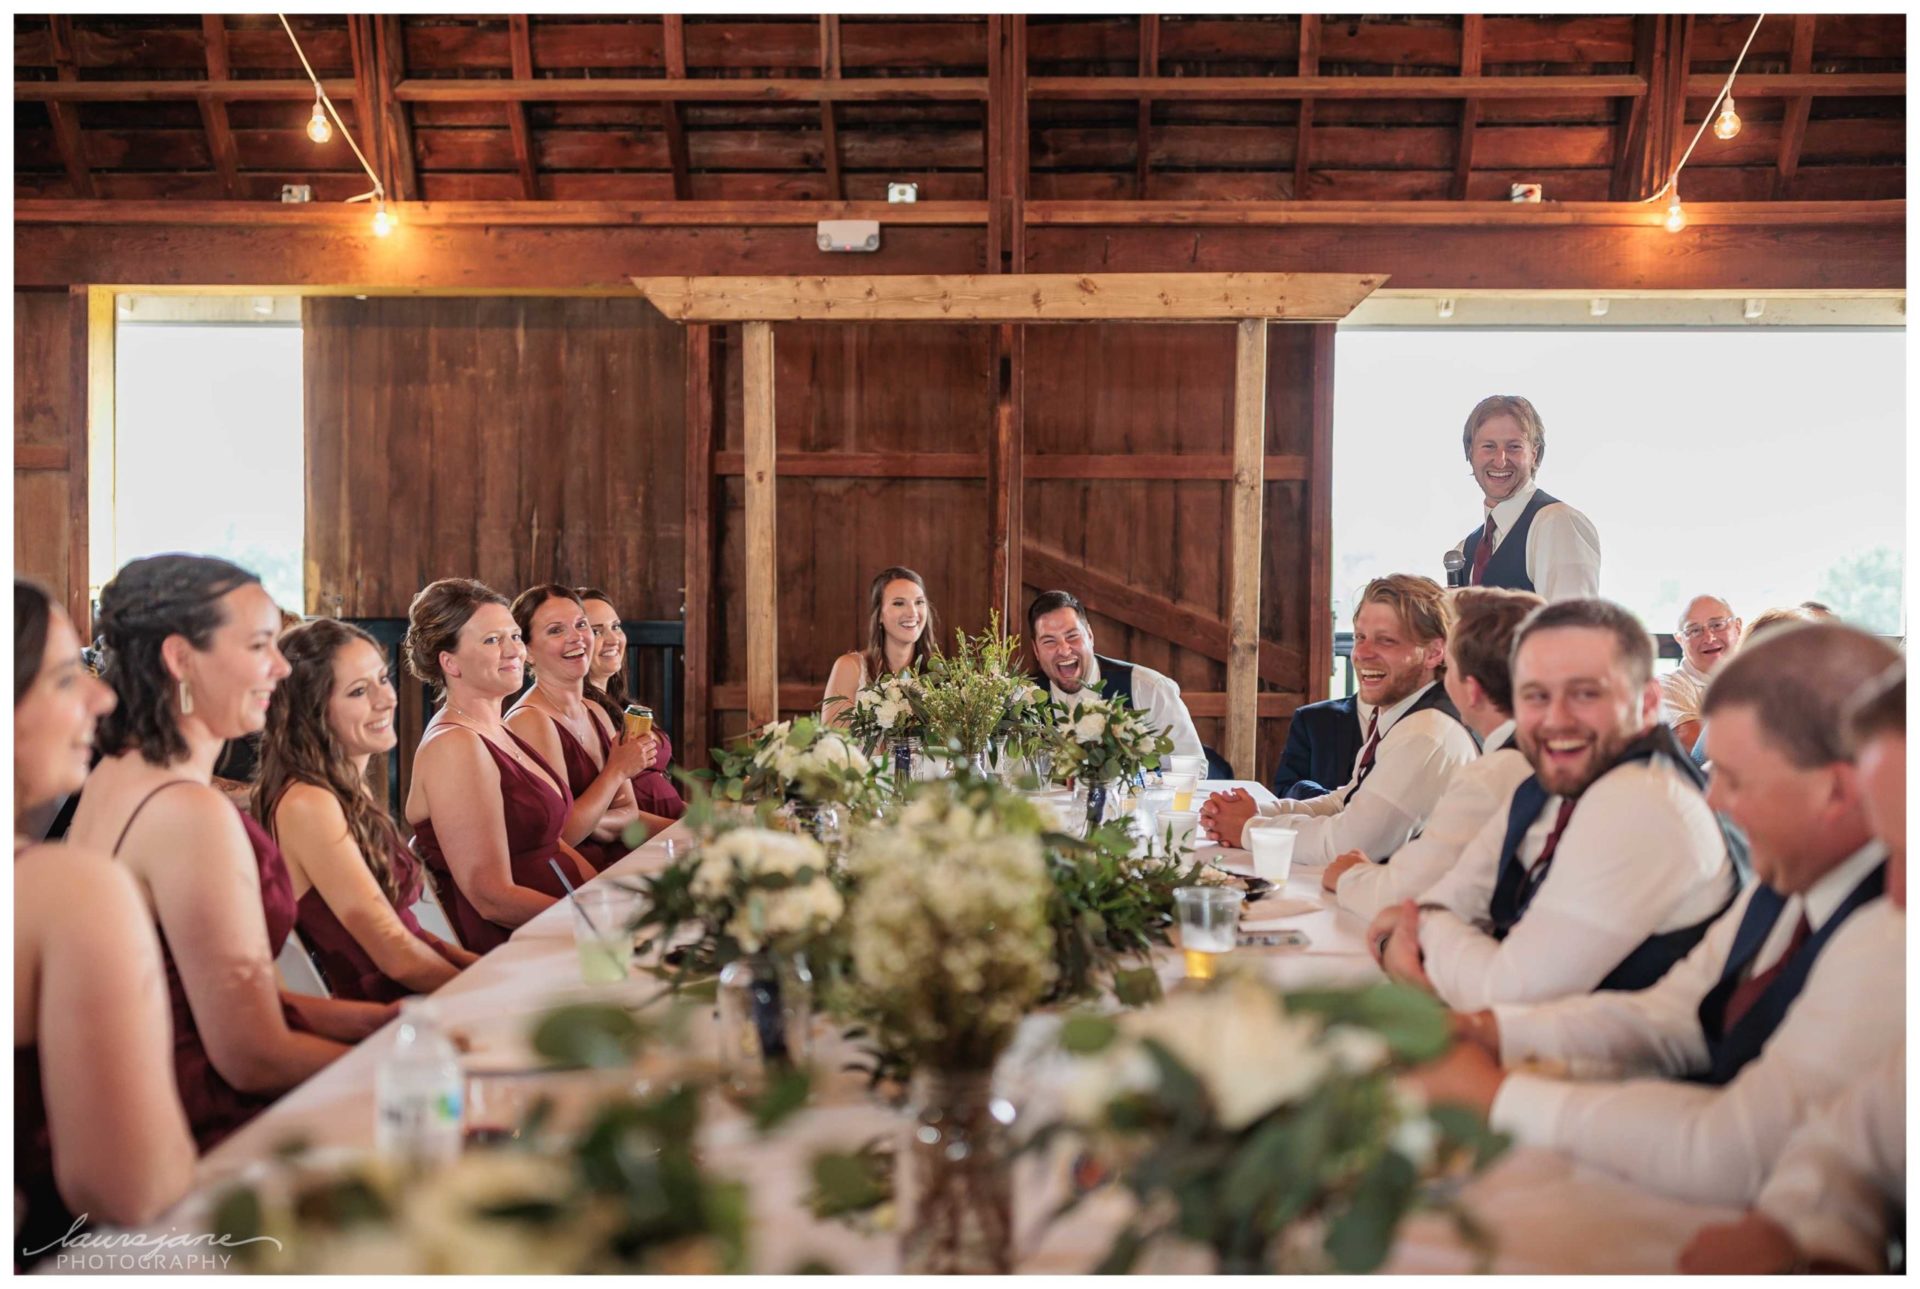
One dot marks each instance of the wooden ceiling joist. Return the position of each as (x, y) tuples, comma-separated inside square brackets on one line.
[(213, 111), (520, 42), (263, 91), (66, 124), (673, 45), (695, 90), (1013, 297), (1230, 89)]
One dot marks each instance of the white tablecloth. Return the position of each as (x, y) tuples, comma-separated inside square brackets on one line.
[(1549, 1214)]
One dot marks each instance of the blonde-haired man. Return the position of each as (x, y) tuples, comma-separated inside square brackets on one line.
[(1413, 742), (1527, 540)]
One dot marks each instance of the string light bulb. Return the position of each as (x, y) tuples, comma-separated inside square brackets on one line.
[(1727, 124), (382, 221), (1676, 214), (319, 129)]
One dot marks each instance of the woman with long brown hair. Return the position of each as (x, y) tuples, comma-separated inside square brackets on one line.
[(191, 656), (355, 880), (487, 810), (653, 791), (97, 1123), (558, 721), (900, 629)]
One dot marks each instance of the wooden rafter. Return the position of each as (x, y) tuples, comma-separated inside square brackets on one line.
[(366, 102), (1308, 66), (1793, 128), (673, 45), (1634, 118), (66, 123), (403, 179), (263, 91), (1016, 297), (1259, 88), (925, 89), (213, 111), (1471, 33), (520, 50), (1818, 84), (1674, 102), (829, 127), (1149, 69)]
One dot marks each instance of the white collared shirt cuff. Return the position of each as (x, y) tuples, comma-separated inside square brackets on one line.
[(1528, 1108)]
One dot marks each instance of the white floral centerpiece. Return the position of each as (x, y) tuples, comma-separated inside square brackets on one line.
[(747, 891), (1264, 1126), (883, 712), (802, 762), (1104, 740)]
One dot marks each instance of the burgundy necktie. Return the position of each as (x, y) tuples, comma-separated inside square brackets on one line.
[(1482, 553), (1538, 872), (1744, 996), (1365, 766)]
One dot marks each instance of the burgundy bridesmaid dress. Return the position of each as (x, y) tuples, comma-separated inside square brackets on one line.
[(535, 814), (581, 772), (349, 970), (651, 788), (43, 1215)]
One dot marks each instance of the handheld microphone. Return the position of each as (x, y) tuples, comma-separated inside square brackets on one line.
[(1455, 563)]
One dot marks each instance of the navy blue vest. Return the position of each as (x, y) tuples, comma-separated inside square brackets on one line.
[(1434, 700), (1508, 564), (1515, 887), (1728, 1050), (1116, 679)]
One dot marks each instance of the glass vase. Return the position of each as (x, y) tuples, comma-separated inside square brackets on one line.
[(1097, 800), (905, 752), (956, 1182), (765, 1006), (820, 822)]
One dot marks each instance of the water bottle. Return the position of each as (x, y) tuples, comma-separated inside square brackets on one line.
[(418, 1092)]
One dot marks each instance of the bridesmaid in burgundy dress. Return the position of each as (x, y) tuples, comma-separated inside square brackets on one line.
[(355, 880), (487, 811), (192, 660), (653, 791), (556, 720), (102, 1137)]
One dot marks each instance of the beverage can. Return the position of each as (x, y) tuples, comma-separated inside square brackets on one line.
[(637, 720)]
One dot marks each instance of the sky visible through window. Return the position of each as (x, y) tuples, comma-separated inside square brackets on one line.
[(1763, 466), (209, 448)]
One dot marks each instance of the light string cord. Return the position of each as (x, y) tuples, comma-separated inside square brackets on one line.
[(379, 192), (1707, 120)]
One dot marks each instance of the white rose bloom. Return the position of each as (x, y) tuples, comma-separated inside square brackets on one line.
[(1090, 726), (888, 713), (1355, 1051), (1251, 1056)]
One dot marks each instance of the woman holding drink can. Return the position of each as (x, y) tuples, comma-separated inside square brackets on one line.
[(557, 720), (653, 791)]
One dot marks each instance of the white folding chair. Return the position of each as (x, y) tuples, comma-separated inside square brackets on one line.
[(297, 972), (431, 917)]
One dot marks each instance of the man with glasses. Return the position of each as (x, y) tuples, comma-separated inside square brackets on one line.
[(1709, 633)]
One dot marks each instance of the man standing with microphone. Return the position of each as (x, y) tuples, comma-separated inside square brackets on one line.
[(1528, 540)]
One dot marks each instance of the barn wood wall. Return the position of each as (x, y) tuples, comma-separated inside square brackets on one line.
[(50, 444)]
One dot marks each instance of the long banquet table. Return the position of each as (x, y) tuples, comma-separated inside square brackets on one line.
[(1548, 1214)]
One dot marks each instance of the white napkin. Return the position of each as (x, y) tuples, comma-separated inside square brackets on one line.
[(1272, 914)]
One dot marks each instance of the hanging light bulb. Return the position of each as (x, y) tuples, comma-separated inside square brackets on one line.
[(319, 129), (1727, 124), (382, 221), (1676, 216)]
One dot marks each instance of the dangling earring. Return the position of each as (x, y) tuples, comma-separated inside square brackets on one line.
[(186, 699)]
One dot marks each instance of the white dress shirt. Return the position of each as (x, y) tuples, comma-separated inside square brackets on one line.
[(1563, 546), (1711, 1144), (1681, 692), (1832, 1184), (1155, 695), (1471, 796), (1642, 854), (1415, 757)]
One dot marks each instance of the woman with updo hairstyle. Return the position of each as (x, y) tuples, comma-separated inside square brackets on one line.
[(355, 880), (653, 791), (900, 633), (556, 719), (97, 1123), (190, 653), (487, 810)]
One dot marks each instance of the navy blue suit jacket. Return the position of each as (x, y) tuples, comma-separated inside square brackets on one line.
[(1322, 742)]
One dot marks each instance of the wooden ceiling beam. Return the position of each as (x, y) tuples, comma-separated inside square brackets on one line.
[(1793, 128), (680, 89), (1790, 84), (1634, 119), (402, 176), (1016, 297), (1471, 30), (213, 111), (66, 120), (578, 214), (1428, 214), (1143, 132), (1227, 89), (1673, 102), (520, 50), (673, 45), (1308, 66), (366, 103), (264, 91), (829, 127)]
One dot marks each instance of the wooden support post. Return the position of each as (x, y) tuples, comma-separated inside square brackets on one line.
[(1320, 624), (1243, 608), (1006, 476), (366, 98), (520, 49), (213, 111), (829, 124), (763, 609), (92, 333), (1470, 35), (402, 174), (696, 731), (673, 36), (1309, 65)]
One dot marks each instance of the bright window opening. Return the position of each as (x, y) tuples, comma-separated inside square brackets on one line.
[(208, 451)]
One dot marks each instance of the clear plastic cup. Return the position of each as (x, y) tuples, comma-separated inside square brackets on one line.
[(1209, 919), (603, 916), (1194, 765), (1182, 785), (1272, 851), (1180, 828)]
